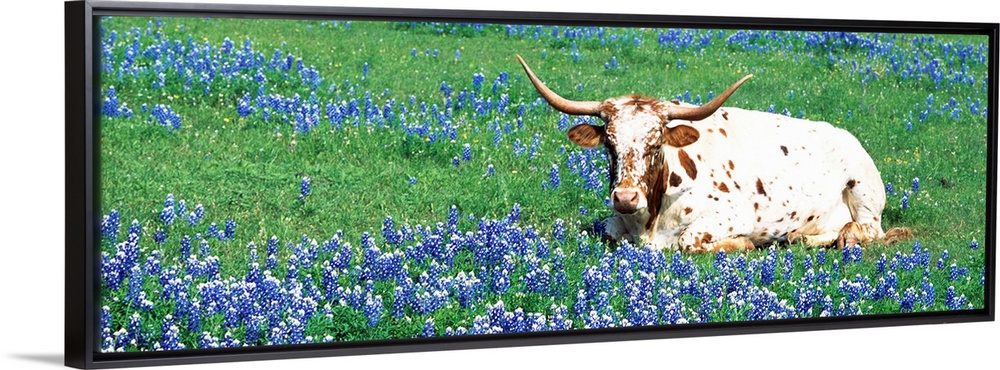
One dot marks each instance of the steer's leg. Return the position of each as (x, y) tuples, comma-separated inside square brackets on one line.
[(854, 233), (865, 198), (817, 240), (732, 244)]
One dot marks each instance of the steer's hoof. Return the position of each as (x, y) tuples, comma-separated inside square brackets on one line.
[(850, 235)]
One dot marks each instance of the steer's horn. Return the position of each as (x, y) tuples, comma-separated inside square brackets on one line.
[(585, 108), (702, 112)]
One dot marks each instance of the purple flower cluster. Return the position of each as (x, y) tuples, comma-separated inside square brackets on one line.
[(114, 108), (166, 117)]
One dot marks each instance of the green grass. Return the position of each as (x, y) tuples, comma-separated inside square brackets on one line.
[(249, 170)]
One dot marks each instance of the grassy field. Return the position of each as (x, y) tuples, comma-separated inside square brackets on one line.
[(390, 180)]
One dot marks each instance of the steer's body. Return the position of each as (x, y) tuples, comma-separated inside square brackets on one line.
[(762, 176), (706, 178)]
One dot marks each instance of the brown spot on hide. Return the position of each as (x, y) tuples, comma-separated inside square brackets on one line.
[(723, 132), (675, 179), (731, 165), (784, 149), (687, 210), (723, 188), (710, 131), (688, 164), (810, 218), (756, 206), (793, 214), (760, 187), (851, 183), (725, 115)]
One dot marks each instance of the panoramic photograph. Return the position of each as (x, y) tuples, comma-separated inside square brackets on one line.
[(272, 182)]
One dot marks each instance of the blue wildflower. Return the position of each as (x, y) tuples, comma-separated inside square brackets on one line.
[(467, 152), (305, 188), (554, 176)]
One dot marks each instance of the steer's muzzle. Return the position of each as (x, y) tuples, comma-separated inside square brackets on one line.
[(627, 200)]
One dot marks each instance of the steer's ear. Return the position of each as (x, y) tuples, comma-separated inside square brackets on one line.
[(680, 136), (585, 135)]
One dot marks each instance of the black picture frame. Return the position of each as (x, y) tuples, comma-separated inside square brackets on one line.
[(82, 225)]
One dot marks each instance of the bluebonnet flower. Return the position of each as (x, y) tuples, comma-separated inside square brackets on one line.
[(905, 202), (110, 225), (243, 107), (213, 231), (199, 213), (497, 137), (908, 300), (953, 301), (880, 264), (166, 116), (477, 81), (554, 176), (112, 107), (305, 188), (955, 272), (373, 309), (857, 289), (535, 142), (429, 323), (927, 295), (889, 190), (466, 152), (181, 208), (229, 230), (916, 184), (941, 261), (974, 245), (852, 254), (167, 215), (160, 236), (171, 336), (789, 262), (769, 267), (489, 171)]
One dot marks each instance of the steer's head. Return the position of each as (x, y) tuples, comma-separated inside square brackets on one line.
[(634, 133)]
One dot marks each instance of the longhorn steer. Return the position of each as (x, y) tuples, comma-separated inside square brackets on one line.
[(708, 178)]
